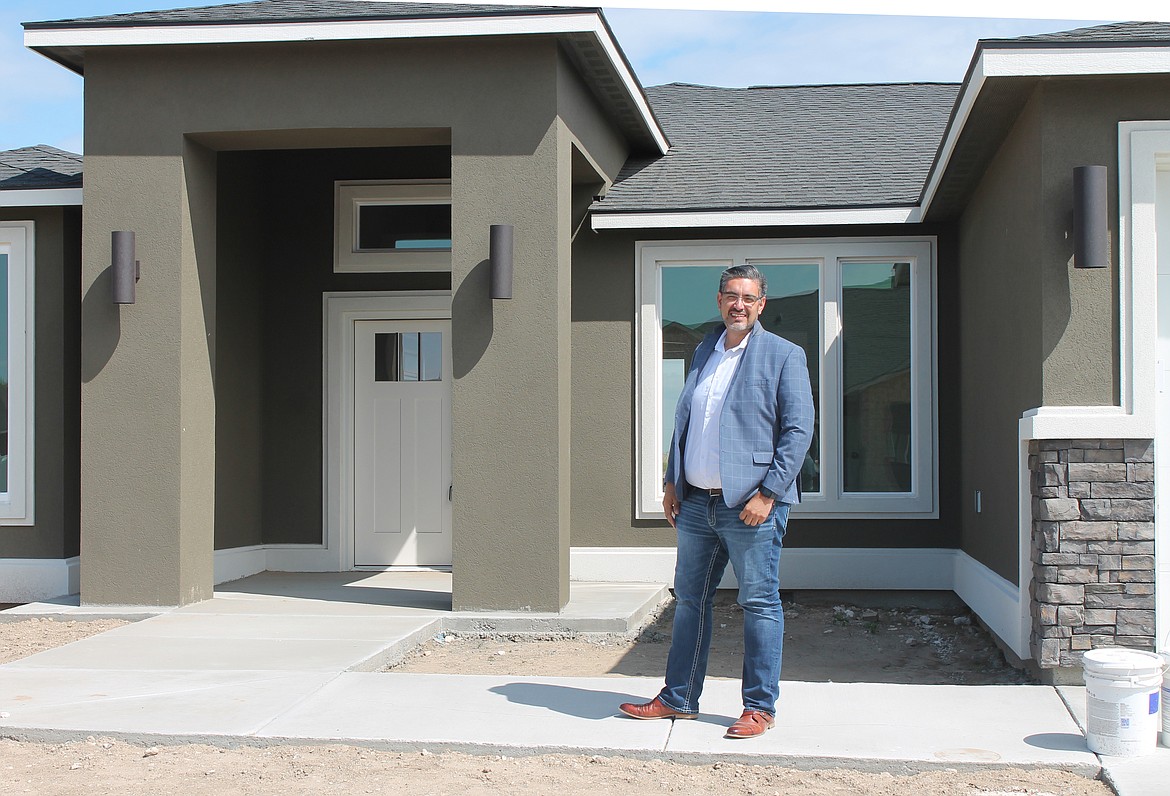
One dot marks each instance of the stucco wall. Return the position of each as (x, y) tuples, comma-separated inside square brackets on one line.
[(1080, 327), (57, 410), (497, 102), (604, 398), (999, 249), (1035, 330)]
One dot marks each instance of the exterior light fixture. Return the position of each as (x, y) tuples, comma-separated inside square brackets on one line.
[(500, 255), (1091, 217), (124, 267)]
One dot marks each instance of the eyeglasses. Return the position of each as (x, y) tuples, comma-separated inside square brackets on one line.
[(732, 298)]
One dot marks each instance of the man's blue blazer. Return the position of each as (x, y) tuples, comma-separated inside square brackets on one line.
[(767, 420)]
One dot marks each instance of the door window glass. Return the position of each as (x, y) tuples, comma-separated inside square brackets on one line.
[(408, 356)]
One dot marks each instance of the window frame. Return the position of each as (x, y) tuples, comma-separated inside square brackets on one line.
[(832, 501), (17, 240), (350, 195)]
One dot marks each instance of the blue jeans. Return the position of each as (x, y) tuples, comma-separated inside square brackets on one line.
[(709, 535)]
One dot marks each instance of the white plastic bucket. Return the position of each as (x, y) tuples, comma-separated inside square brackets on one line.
[(1124, 701)]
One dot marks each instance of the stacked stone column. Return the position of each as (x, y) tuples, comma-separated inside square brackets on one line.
[(1092, 547)]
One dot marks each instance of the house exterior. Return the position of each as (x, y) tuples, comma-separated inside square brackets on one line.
[(40, 257), (315, 376)]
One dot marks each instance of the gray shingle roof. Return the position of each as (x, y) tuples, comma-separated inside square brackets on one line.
[(296, 11), (1125, 33), (41, 166), (787, 148)]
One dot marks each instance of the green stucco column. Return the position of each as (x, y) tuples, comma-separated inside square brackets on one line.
[(148, 409), (510, 402)]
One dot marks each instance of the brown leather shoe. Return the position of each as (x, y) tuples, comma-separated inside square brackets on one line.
[(654, 709), (751, 724)]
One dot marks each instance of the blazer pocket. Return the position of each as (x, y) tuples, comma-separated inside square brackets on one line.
[(762, 457)]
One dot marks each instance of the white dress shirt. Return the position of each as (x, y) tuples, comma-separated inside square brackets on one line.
[(701, 457)]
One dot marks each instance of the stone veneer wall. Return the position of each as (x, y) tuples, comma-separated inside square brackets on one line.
[(1092, 547)]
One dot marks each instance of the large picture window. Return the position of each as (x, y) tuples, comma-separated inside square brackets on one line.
[(863, 313), (16, 367)]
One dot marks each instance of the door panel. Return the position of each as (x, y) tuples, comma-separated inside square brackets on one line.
[(402, 443)]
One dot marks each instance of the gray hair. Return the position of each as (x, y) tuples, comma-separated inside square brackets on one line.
[(743, 272)]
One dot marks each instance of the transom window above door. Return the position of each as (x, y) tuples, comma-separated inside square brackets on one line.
[(862, 310), (400, 225)]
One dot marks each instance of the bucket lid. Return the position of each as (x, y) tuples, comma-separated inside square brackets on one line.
[(1122, 661)]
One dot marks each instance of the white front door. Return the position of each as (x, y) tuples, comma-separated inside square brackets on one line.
[(402, 443)]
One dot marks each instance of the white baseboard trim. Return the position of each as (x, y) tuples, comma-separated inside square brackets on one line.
[(240, 562), (995, 600), (26, 580), (800, 567)]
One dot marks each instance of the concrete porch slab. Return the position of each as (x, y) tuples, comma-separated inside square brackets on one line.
[(145, 651), (592, 607), (932, 725), (66, 702), (475, 712)]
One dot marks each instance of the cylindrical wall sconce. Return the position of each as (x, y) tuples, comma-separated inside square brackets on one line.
[(1091, 217), (123, 266), (500, 254)]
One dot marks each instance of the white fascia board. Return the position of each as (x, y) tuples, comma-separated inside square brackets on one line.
[(40, 38), (753, 218), (41, 197), (966, 101), (1049, 62)]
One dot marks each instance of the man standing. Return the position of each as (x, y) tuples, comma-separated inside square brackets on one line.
[(742, 427)]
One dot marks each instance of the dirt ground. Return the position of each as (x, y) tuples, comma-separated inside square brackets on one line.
[(30, 636), (896, 646), (97, 767), (824, 641)]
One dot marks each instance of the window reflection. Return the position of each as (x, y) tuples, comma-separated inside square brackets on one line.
[(689, 311), (390, 227), (875, 314), (408, 356)]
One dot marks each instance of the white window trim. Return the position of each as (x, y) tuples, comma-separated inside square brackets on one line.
[(350, 195), (17, 240), (922, 501)]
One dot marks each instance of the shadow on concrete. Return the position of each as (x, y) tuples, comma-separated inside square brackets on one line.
[(1060, 741), (582, 703), (430, 591)]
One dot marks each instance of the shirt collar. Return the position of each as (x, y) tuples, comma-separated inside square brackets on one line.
[(719, 347)]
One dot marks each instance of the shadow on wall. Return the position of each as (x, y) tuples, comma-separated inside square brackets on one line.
[(473, 308), (103, 325)]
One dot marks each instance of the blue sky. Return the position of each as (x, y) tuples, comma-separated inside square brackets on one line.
[(42, 101)]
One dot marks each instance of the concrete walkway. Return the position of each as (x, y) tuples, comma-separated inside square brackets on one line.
[(294, 658)]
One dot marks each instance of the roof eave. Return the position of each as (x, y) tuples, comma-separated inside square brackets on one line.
[(40, 197), (994, 59), (66, 44), (685, 219)]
